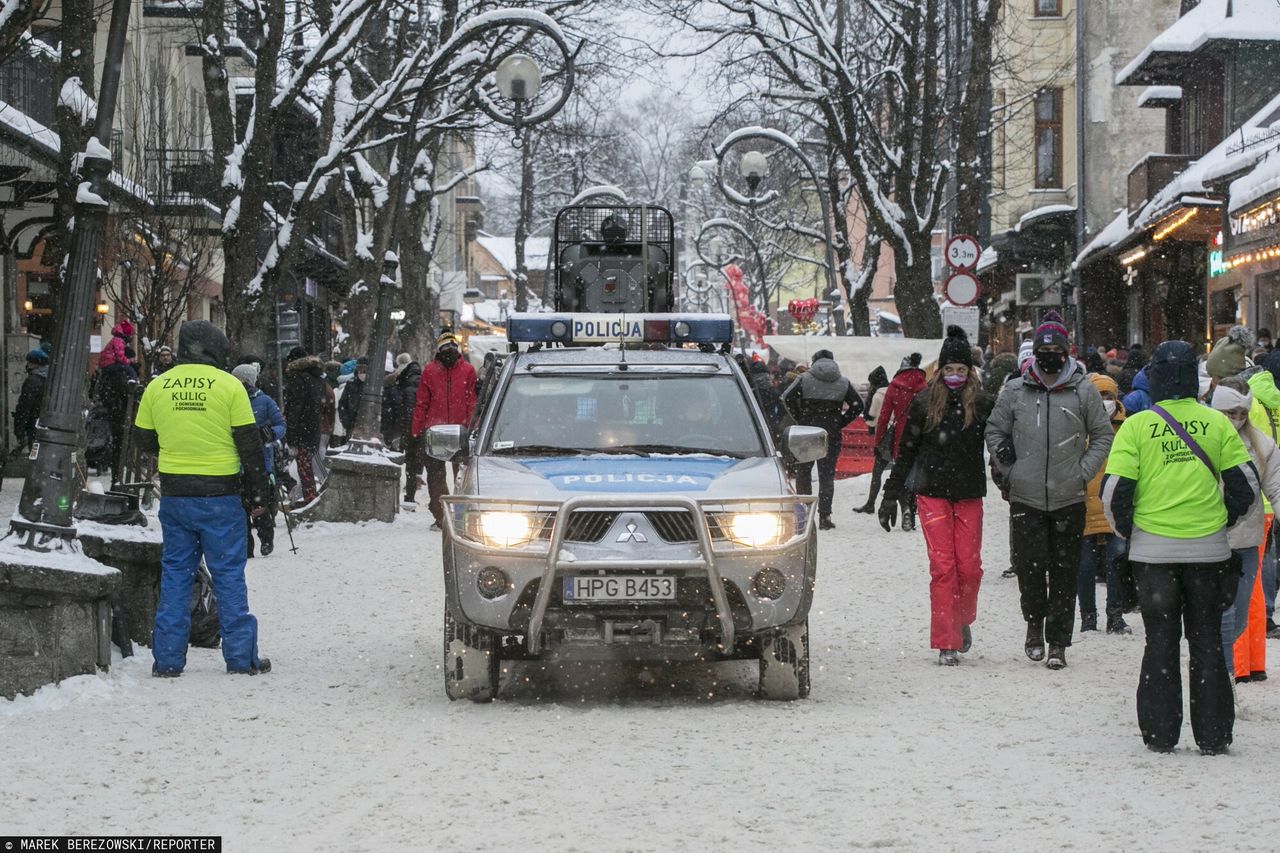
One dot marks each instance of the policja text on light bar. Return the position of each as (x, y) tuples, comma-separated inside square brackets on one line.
[(624, 328)]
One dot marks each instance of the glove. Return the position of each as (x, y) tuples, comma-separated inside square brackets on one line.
[(888, 514), (258, 509), (1005, 453)]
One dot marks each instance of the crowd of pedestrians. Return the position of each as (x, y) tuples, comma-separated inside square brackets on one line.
[(1150, 472)]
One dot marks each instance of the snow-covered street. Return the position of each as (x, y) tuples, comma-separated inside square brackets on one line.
[(350, 742)]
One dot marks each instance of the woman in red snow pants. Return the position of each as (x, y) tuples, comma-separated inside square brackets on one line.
[(940, 460)]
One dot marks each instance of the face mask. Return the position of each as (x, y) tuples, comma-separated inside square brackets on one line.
[(362, 376), (1051, 362), (1238, 422), (1110, 406), (955, 381), (449, 356)]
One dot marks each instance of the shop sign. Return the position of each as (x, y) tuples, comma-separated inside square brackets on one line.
[(1216, 266), (1258, 225)]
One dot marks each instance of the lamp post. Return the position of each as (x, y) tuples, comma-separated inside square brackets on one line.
[(754, 169), (44, 513), (736, 228), (518, 79)]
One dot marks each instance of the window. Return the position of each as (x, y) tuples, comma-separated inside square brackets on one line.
[(1048, 8), (1048, 106), (624, 412)]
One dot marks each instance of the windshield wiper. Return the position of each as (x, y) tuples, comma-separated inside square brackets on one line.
[(537, 450), (672, 449)]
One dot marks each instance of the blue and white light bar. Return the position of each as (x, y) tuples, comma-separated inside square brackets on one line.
[(620, 328)]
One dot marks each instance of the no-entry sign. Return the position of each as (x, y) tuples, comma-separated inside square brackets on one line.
[(963, 252), (961, 289)]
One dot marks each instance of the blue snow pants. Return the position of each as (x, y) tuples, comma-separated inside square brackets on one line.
[(214, 528)]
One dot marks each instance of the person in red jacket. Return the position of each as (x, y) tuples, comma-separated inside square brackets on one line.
[(446, 395), (906, 384)]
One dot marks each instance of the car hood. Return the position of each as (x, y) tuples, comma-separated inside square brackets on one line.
[(557, 478)]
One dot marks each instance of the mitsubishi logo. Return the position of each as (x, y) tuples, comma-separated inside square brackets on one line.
[(632, 534)]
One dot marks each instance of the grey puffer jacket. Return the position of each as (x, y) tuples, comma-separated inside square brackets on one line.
[(1049, 443), (823, 398)]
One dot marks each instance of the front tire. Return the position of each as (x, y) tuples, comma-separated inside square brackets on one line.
[(471, 661), (784, 663)]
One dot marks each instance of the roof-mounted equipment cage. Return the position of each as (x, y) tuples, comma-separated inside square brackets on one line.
[(613, 259)]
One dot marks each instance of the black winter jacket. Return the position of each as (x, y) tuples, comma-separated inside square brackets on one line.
[(30, 399), (823, 398), (304, 399), (949, 457)]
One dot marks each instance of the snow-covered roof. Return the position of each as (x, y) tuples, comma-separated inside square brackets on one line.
[(1041, 212), (1191, 186), (16, 122), (988, 259), (1212, 20), (1159, 96), (1116, 230), (1263, 181), (503, 250)]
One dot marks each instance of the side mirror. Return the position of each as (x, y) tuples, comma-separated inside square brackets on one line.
[(806, 443), (444, 441)]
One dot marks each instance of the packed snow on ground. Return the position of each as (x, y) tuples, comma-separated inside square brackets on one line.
[(350, 743)]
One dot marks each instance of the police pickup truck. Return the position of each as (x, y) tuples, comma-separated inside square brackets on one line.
[(624, 502)]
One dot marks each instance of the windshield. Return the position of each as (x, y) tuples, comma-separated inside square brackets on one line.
[(624, 413)]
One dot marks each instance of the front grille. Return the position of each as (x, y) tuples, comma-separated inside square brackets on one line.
[(589, 525), (673, 526)]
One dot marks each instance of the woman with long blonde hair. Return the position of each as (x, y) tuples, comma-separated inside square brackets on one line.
[(940, 461)]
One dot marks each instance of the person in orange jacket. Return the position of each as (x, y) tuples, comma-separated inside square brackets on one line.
[(1100, 547)]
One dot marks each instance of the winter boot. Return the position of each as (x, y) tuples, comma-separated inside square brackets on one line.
[(1035, 640), (1089, 621), (948, 657), (1273, 630), (1057, 658), (966, 639), (825, 523), (1117, 625), (1010, 572), (868, 508)]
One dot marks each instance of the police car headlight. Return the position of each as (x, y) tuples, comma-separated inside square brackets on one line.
[(504, 529), (756, 529)]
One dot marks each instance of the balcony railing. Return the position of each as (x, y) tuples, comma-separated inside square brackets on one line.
[(27, 84), (181, 176), (1152, 174)]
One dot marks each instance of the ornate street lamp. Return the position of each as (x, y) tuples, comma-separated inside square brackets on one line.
[(753, 167), (518, 79), (736, 228), (44, 513)]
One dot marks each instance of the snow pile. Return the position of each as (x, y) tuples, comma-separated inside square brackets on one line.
[(73, 97), (1158, 95)]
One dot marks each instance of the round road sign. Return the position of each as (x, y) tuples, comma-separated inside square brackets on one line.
[(963, 252), (961, 289)]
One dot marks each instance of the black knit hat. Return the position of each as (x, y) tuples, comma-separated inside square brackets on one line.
[(956, 349)]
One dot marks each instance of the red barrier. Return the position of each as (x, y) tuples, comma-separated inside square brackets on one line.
[(857, 451)]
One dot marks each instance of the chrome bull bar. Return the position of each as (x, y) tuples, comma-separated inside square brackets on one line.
[(554, 564), (565, 509)]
